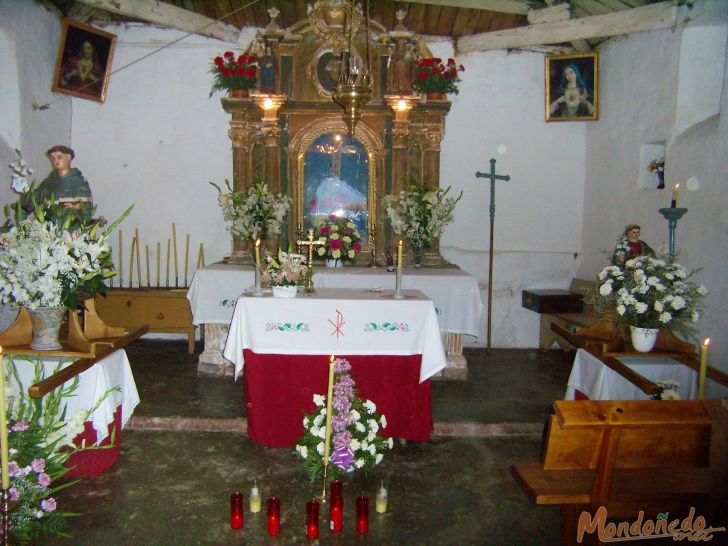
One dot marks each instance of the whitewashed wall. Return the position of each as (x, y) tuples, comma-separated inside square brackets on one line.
[(640, 104)]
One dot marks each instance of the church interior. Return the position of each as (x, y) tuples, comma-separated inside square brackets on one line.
[(564, 126)]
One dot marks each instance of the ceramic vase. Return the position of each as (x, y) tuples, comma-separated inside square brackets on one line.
[(46, 323), (284, 291), (643, 339)]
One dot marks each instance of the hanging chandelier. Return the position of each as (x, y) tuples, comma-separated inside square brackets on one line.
[(354, 86)]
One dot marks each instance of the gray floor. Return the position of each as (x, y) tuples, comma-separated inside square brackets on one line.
[(173, 486)]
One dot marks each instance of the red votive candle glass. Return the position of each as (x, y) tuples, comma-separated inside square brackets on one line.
[(236, 510), (336, 510), (362, 514), (312, 520), (274, 516), (337, 489)]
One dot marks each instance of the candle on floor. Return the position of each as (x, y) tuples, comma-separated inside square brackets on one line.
[(381, 500), (274, 516), (336, 508), (312, 520), (236, 510), (3, 426), (703, 368), (362, 514), (255, 501)]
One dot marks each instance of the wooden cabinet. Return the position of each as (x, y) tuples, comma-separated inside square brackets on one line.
[(164, 310)]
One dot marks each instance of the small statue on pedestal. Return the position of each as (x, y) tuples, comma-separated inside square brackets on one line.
[(630, 246)]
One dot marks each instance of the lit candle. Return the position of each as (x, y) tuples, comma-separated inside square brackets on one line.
[(257, 254), (274, 516), (236, 510), (336, 514), (3, 426), (255, 501), (675, 192), (329, 400), (312, 520), (362, 514), (399, 254), (703, 368)]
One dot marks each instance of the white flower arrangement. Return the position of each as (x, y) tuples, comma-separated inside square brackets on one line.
[(255, 213), (669, 390), (419, 215), (287, 270), (355, 428), (649, 293)]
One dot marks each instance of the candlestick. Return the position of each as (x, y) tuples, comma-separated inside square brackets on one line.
[(187, 255), (312, 520), (168, 243), (255, 501), (237, 520), (381, 500), (3, 427), (675, 192), (703, 368), (362, 514), (274, 516), (121, 262), (159, 260), (398, 278), (174, 248)]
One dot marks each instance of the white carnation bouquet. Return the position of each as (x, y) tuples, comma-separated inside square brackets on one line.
[(355, 427)]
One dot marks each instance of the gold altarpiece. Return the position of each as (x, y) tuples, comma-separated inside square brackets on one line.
[(291, 134)]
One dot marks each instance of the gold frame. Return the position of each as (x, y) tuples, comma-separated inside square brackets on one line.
[(73, 34), (587, 65), (334, 124)]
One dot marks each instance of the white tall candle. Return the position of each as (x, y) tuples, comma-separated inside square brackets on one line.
[(329, 401), (3, 426)]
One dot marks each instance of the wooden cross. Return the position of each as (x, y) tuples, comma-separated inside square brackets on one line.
[(493, 177), (310, 243)]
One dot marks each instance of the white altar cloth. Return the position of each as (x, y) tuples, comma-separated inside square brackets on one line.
[(340, 322), (599, 382), (114, 370), (456, 294)]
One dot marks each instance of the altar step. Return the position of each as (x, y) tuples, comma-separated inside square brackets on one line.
[(239, 426)]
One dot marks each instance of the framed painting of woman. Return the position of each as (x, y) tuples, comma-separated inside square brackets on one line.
[(572, 87), (83, 64)]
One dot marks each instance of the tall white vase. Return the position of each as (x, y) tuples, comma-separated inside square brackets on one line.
[(46, 322)]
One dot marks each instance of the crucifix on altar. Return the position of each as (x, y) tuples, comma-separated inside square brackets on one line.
[(310, 243), (493, 177)]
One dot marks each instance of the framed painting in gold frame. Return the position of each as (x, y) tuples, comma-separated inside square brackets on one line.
[(83, 63), (572, 87)]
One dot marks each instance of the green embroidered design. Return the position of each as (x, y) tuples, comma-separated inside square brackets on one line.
[(386, 327), (287, 327)]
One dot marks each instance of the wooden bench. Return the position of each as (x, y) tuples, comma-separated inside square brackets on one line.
[(627, 456), (566, 320)]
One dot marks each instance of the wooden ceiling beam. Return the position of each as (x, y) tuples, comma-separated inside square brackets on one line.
[(168, 15), (654, 16), (518, 7)]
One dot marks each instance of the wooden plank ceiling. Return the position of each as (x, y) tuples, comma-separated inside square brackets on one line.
[(454, 19)]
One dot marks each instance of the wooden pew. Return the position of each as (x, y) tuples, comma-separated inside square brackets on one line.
[(627, 456)]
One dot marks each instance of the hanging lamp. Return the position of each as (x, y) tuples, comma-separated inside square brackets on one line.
[(354, 86)]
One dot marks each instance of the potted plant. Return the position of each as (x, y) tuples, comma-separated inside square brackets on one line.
[(647, 294), (234, 75), (255, 213), (341, 239), (434, 78), (420, 215), (286, 273), (355, 442)]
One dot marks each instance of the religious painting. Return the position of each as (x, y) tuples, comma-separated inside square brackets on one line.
[(572, 87), (336, 181), (83, 64)]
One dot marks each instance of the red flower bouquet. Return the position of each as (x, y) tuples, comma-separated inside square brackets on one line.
[(231, 73), (431, 75)]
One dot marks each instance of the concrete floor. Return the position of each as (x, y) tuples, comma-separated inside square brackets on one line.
[(185, 451)]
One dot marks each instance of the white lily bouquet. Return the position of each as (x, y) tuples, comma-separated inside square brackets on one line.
[(355, 425), (255, 213)]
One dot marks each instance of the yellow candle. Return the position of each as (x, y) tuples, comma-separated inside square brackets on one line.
[(399, 254), (703, 368), (138, 259), (174, 248), (3, 426), (257, 254), (131, 261), (187, 254), (146, 259), (159, 258), (200, 258), (329, 401), (121, 264), (168, 243), (675, 192)]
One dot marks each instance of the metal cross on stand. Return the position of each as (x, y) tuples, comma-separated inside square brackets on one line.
[(493, 177), (310, 243)]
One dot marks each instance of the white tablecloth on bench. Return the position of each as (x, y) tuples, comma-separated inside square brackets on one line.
[(599, 382)]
